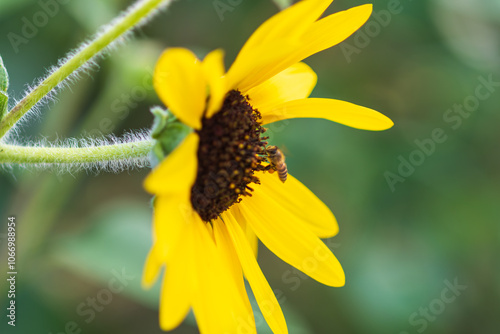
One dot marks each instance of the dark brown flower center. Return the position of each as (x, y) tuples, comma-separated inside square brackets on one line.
[(231, 149)]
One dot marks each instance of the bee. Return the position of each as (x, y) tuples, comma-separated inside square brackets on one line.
[(277, 160)]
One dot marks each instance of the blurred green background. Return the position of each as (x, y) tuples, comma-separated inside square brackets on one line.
[(417, 214)]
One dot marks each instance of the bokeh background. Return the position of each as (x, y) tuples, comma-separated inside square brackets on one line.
[(413, 221)]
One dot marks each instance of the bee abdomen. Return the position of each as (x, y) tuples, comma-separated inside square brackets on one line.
[(282, 172)]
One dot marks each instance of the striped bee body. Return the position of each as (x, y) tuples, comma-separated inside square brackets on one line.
[(277, 160)]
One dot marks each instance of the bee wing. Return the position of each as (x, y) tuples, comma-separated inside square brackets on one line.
[(286, 152)]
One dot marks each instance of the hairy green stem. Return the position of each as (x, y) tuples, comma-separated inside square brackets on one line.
[(70, 155), (117, 29)]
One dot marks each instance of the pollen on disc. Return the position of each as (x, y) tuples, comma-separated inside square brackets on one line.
[(231, 149)]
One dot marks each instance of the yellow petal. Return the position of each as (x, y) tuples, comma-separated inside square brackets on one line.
[(289, 24), (228, 255), (176, 174), (287, 237), (241, 305), (252, 239), (256, 63), (216, 304), (332, 30), (334, 110), (178, 284), (213, 67), (296, 82), (321, 35), (170, 215), (179, 82), (300, 202), (205, 298), (151, 269), (265, 297), (175, 298)]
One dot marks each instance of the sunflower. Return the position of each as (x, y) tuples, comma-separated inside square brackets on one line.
[(215, 193)]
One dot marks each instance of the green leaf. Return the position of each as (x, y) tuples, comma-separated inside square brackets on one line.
[(4, 85), (282, 4)]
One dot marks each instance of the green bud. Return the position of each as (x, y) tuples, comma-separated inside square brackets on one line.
[(168, 132), (4, 85)]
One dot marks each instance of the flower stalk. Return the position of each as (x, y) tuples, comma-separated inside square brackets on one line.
[(14, 154), (4, 85)]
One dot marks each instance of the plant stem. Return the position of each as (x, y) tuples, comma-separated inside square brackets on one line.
[(117, 28), (68, 155)]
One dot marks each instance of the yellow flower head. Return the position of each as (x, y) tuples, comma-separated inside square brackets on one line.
[(214, 194)]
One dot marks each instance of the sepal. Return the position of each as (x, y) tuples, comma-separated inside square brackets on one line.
[(168, 132)]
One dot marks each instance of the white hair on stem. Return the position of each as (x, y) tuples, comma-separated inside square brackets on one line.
[(115, 164), (87, 65)]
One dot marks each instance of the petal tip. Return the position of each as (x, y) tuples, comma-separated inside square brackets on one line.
[(168, 325), (338, 280), (146, 284), (390, 123), (147, 184), (385, 124), (363, 11), (148, 279), (368, 7)]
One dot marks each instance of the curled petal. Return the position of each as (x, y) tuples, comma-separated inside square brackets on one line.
[(180, 83)]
